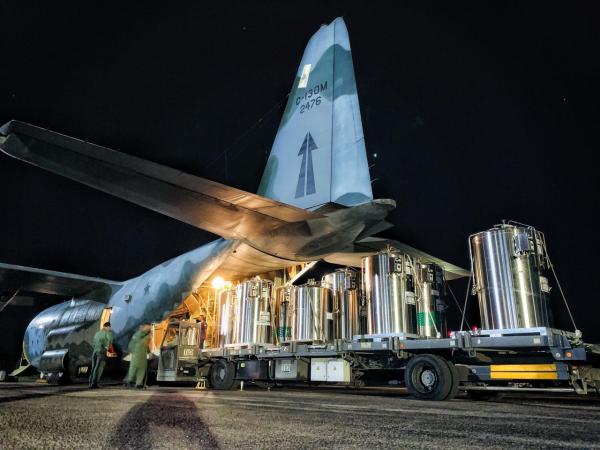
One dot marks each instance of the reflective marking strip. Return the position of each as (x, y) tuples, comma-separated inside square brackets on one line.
[(523, 367), (304, 77), (524, 376)]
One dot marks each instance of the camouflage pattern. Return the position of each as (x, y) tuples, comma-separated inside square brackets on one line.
[(150, 297), (320, 143)]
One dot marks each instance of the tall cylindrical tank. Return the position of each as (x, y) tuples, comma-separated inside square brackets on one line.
[(226, 317), (345, 300), (284, 297), (431, 307), (388, 285), (310, 315), (508, 268), (252, 313)]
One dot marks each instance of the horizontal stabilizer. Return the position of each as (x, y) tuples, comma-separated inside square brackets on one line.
[(28, 279), (371, 245), (214, 207)]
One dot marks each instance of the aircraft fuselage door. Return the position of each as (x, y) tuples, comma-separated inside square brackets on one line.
[(105, 316)]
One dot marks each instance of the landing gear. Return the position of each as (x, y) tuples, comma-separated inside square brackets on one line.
[(431, 377), (222, 374), (58, 378)]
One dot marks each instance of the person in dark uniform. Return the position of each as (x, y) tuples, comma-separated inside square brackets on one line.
[(102, 341), (203, 325)]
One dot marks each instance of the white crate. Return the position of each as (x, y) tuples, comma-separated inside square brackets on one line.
[(333, 370), (318, 369), (338, 371)]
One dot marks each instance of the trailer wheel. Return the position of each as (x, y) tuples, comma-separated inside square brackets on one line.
[(221, 375), (455, 380), (428, 377)]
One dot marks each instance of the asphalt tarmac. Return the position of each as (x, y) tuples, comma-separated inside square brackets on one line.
[(41, 416)]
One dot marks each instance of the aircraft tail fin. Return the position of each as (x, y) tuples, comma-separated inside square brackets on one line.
[(319, 155)]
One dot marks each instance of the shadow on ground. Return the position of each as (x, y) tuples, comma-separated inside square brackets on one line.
[(162, 416)]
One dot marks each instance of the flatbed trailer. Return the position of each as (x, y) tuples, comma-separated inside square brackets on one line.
[(517, 348), (481, 362)]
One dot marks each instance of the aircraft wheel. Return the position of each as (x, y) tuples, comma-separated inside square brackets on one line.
[(428, 377), (222, 374), (58, 378)]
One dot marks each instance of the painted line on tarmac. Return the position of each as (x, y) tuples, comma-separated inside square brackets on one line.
[(345, 408)]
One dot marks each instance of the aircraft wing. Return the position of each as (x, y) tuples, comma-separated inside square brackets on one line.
[(28, 279), (246, 262), (371, 245), (217, 208)]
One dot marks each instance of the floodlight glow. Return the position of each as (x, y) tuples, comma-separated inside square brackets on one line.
[(218, 282)]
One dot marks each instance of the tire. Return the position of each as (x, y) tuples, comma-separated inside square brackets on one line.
[(455, 380), (222, 374), (428, 377)]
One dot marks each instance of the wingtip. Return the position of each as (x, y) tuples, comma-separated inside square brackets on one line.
[(6, 128)]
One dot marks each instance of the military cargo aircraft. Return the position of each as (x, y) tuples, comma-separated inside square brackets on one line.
[(314, 202)]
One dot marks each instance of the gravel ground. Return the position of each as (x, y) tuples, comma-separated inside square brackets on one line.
[(39, 416)]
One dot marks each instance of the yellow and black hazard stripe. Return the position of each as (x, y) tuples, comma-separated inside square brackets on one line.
[(553, 371)]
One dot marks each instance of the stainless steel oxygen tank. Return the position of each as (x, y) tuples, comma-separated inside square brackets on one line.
[(283, 298), (388, 285), (508, 268), (431, 307), (375, 270), (252, 317), (226, 317), (345, 299), (402, 293), (310, 315)]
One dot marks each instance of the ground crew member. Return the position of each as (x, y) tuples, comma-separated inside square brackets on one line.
[(102, 341), (203, 326), (138, 346)]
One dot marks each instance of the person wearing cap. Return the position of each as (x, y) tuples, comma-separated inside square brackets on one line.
[(102, 341), (138, 346)]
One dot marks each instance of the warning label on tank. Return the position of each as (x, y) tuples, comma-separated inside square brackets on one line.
[(264, 318)]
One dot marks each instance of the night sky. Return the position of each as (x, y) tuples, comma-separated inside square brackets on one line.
[(473, 113)]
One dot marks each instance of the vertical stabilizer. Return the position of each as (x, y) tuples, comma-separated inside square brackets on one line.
[(319, 153)]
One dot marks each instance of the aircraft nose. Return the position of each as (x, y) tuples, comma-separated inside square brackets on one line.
[(34, 341)]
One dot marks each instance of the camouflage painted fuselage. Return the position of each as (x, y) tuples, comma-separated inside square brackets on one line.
[(148, 298)]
